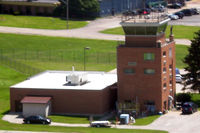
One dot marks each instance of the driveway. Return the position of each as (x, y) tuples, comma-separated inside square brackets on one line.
[(173, 122)]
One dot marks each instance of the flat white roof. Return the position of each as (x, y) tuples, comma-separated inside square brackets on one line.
[(57, 80)]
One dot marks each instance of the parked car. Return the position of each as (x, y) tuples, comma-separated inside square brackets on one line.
[(158, 8), (37, 119), (189, 107), (144, 11), (175, 6), (173, 17), (178, 76), (177, 71), (179, 14), (188, 12), (100, 124), (195, 11)]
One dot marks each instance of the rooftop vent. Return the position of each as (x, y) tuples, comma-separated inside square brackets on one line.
[(76, 78)]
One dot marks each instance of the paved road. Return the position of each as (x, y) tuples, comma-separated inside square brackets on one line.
[(173, 122)]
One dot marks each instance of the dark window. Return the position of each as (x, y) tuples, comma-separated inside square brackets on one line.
[(164, 53), (132, 63), (149, 71), (129, 71), (149, 56)]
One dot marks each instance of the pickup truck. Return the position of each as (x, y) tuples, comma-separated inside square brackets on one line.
[(100, 124)]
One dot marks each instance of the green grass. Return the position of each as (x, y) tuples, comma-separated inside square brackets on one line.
[(195, 98), (59, 53), (181, 52), (69, 119), (9, 77), (179, 31), (39, 22), (146, 120)]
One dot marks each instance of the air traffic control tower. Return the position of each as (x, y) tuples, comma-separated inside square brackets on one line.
[(146, 63)]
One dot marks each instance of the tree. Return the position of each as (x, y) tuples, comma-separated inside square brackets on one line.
[(192, 78), (84, 8)]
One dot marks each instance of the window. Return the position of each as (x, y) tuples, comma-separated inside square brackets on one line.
[(129, 71), (164, 70), (149, 56), (170, 67), (164, 86), (164, 62), (170, 52), (165, 78), (170, 83), (149, 71), (164, 53), (132, 63)]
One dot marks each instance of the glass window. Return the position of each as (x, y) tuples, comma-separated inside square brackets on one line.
[(164, 85), (132, 63), (129, 71), (149, 71), (170, 52), (164, 53), (164, 70), (164, 62), (149, 56)]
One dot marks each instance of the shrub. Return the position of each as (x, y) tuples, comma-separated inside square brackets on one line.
[(183, 97)]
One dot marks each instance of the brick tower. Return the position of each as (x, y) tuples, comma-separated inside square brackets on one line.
[(146, 63)]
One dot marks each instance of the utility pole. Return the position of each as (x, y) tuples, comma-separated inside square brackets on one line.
[(66, 2)]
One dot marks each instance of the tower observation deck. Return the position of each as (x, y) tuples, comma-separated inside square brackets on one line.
[(144, 28)]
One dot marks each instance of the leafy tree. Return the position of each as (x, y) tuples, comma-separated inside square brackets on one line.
[(84, 8), (192, 78), (80, 9)]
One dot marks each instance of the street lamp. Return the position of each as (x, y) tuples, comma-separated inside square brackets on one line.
[(84, 59), (66, 2)]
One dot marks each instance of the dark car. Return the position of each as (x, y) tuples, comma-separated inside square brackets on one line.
[(189, 107), (195, 11), (176, 5), (37, 119), (188, 12), (179, 14)]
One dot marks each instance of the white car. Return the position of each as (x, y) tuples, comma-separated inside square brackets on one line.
[(173, 17), (178, 78)]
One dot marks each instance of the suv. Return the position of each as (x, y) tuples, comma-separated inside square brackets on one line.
[(189, 107)]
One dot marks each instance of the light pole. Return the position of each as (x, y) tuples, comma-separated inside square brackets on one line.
[(66, 2), (67, 14), (84, 59)]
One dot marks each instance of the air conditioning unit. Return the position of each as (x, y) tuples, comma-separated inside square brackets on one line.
[(77, 78)]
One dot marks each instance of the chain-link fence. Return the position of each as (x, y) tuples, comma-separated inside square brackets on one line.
[(20, 58)]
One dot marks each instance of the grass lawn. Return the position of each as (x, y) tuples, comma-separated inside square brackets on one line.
[(146, 120), (38, 22), (181, 52), (69, 119), (9, 77), (179, 31), (59, 53)]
